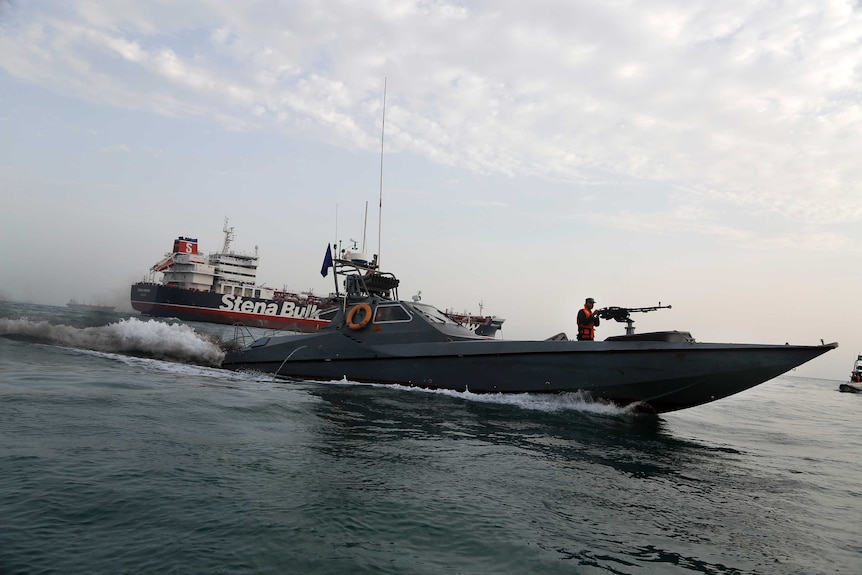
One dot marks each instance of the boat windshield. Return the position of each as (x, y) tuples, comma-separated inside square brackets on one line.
[(391, 313), (432, 314)]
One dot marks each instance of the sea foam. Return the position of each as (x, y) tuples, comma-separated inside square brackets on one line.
[(151, 338), (547, 402)]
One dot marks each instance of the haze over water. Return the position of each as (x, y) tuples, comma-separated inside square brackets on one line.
[(124, 450)]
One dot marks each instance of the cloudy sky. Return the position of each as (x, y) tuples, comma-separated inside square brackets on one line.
[(700, 154)]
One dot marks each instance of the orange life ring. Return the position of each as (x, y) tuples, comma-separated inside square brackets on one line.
[(352, 313)]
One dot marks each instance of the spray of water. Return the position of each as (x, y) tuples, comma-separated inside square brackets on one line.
[(168, 341), (551, 403)]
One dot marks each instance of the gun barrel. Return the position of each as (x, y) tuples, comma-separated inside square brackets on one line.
[(646, 309), (622, 313)]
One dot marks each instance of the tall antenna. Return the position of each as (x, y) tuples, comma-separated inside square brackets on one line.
[(380, 206), (364, 225), (228, 237)]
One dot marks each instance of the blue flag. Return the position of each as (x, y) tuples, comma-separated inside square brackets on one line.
[(327, 261)]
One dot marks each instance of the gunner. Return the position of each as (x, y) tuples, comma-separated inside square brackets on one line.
[(587, 321)]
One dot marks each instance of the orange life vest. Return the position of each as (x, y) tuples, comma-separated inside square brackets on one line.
[(587, 330)]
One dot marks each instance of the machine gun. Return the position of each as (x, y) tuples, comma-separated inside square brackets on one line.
[(623, 314)]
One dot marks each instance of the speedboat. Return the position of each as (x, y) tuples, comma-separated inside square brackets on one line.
[(855, 384), (375, 337)]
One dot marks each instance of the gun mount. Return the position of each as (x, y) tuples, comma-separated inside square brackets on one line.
[(623, 314)]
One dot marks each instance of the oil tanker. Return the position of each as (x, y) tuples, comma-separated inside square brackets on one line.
[(221, 287)]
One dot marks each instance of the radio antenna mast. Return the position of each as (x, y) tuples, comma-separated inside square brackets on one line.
[(380, 205), (364, 225)]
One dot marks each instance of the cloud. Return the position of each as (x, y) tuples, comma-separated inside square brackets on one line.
[(690, 221), (755, 105), (117, 148)]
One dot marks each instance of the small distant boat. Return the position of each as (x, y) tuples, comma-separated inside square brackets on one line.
[(484, 325), (855, 384), (89, 307)]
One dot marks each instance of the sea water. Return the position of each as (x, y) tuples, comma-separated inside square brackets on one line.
[(125, 449)]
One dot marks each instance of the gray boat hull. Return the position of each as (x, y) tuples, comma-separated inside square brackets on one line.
[(376, 337), (655, 376)]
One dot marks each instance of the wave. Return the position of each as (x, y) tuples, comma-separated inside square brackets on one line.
[(151, 338), (549, 403)]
